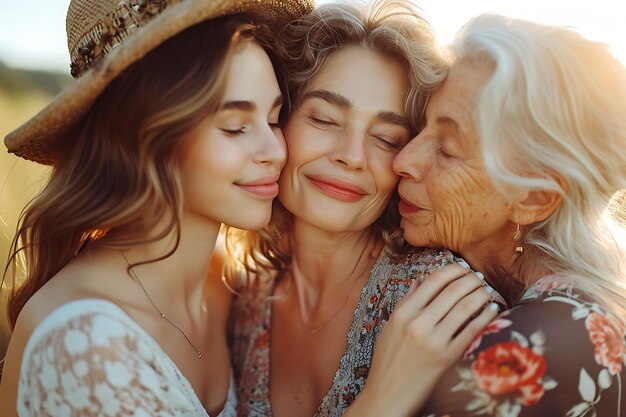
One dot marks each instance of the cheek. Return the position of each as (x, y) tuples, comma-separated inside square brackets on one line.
[(447, 196), (386, 181), (224, 159), (461, 186), (213, 159), (459, 200), (303, 143), (381, 167)]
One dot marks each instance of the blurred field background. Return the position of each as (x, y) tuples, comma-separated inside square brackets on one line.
[(22, 94)]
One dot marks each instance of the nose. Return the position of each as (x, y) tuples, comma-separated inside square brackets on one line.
[(414, 159), (271, 147), (349, 151)]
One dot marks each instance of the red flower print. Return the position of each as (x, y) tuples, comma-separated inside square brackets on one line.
[(493, 327), (607, 334), (508, 368)]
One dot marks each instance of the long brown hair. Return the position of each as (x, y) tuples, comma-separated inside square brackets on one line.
[(119, 174)]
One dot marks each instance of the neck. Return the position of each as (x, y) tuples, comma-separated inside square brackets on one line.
[(180, 277), (505, 269), (325, 261)]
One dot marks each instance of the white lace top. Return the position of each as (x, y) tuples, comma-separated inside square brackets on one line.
[(89, 358)]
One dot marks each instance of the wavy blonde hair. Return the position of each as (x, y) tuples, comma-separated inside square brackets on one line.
[(560, 102), (394, 29), (119, 175)]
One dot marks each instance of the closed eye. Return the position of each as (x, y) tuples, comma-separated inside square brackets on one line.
[(440, 151), (389, 143), (236, 132), (322, 122)]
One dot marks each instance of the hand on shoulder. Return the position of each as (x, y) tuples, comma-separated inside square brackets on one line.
[(429, 329)]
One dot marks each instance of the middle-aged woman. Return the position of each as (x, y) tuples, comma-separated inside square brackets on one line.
[(324, 283), (522, 151)]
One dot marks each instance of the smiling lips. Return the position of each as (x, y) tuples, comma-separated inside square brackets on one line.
[(266, 187), (406, 208), (338, 189)]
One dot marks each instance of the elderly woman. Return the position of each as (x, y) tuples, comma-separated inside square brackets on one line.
[(522, 150), (325, 284)]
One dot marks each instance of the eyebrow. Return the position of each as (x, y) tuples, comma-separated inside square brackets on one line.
[(331, 97), (395, 119), (449, 122), (345, 103), (248, 106)]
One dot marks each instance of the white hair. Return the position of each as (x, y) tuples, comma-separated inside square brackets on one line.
[(556, 104)]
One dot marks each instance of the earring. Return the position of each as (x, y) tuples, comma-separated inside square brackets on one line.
[(517, 237)]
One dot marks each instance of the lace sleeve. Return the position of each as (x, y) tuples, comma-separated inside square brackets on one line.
[(96, 364), (556, 355)]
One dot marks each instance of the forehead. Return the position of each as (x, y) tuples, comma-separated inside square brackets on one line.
[(365, 77), (251, 75), (457, 97)]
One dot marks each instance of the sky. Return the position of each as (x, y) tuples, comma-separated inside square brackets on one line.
[(32, 33)]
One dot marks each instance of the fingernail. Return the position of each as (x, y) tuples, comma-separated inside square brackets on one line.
[(480, 276), (493, 307), (464, 264)]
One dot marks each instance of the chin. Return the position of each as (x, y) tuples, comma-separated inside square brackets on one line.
[(334, 224), (255, 220), (250, 223), (413, 238)]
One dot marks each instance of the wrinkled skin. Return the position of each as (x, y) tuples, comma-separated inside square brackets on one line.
[(448, 198)]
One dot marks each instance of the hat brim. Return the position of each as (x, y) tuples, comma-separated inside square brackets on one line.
[(41, 138)]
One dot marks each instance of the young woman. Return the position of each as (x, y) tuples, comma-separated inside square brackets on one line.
[(170, 130)]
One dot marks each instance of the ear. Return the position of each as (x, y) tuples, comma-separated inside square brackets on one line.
[(537, 205)]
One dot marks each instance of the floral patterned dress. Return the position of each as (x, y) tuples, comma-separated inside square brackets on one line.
[(388, 282), (554, 354), (89, 358)]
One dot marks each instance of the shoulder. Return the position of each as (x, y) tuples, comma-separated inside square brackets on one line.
[(36, 310), (416, 265), (81, 328), (61, 295), (92, 357), (392, 276), (554, 354), (422, 256), (108, 319), (49, 342), (396, 272)]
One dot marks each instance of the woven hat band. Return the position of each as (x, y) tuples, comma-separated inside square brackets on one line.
[(95, 28)]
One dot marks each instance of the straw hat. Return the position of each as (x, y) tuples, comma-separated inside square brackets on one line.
[(106, 36)]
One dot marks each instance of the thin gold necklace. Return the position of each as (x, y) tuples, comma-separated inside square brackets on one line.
[(326, 322), (134, 276), (321, 327)]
